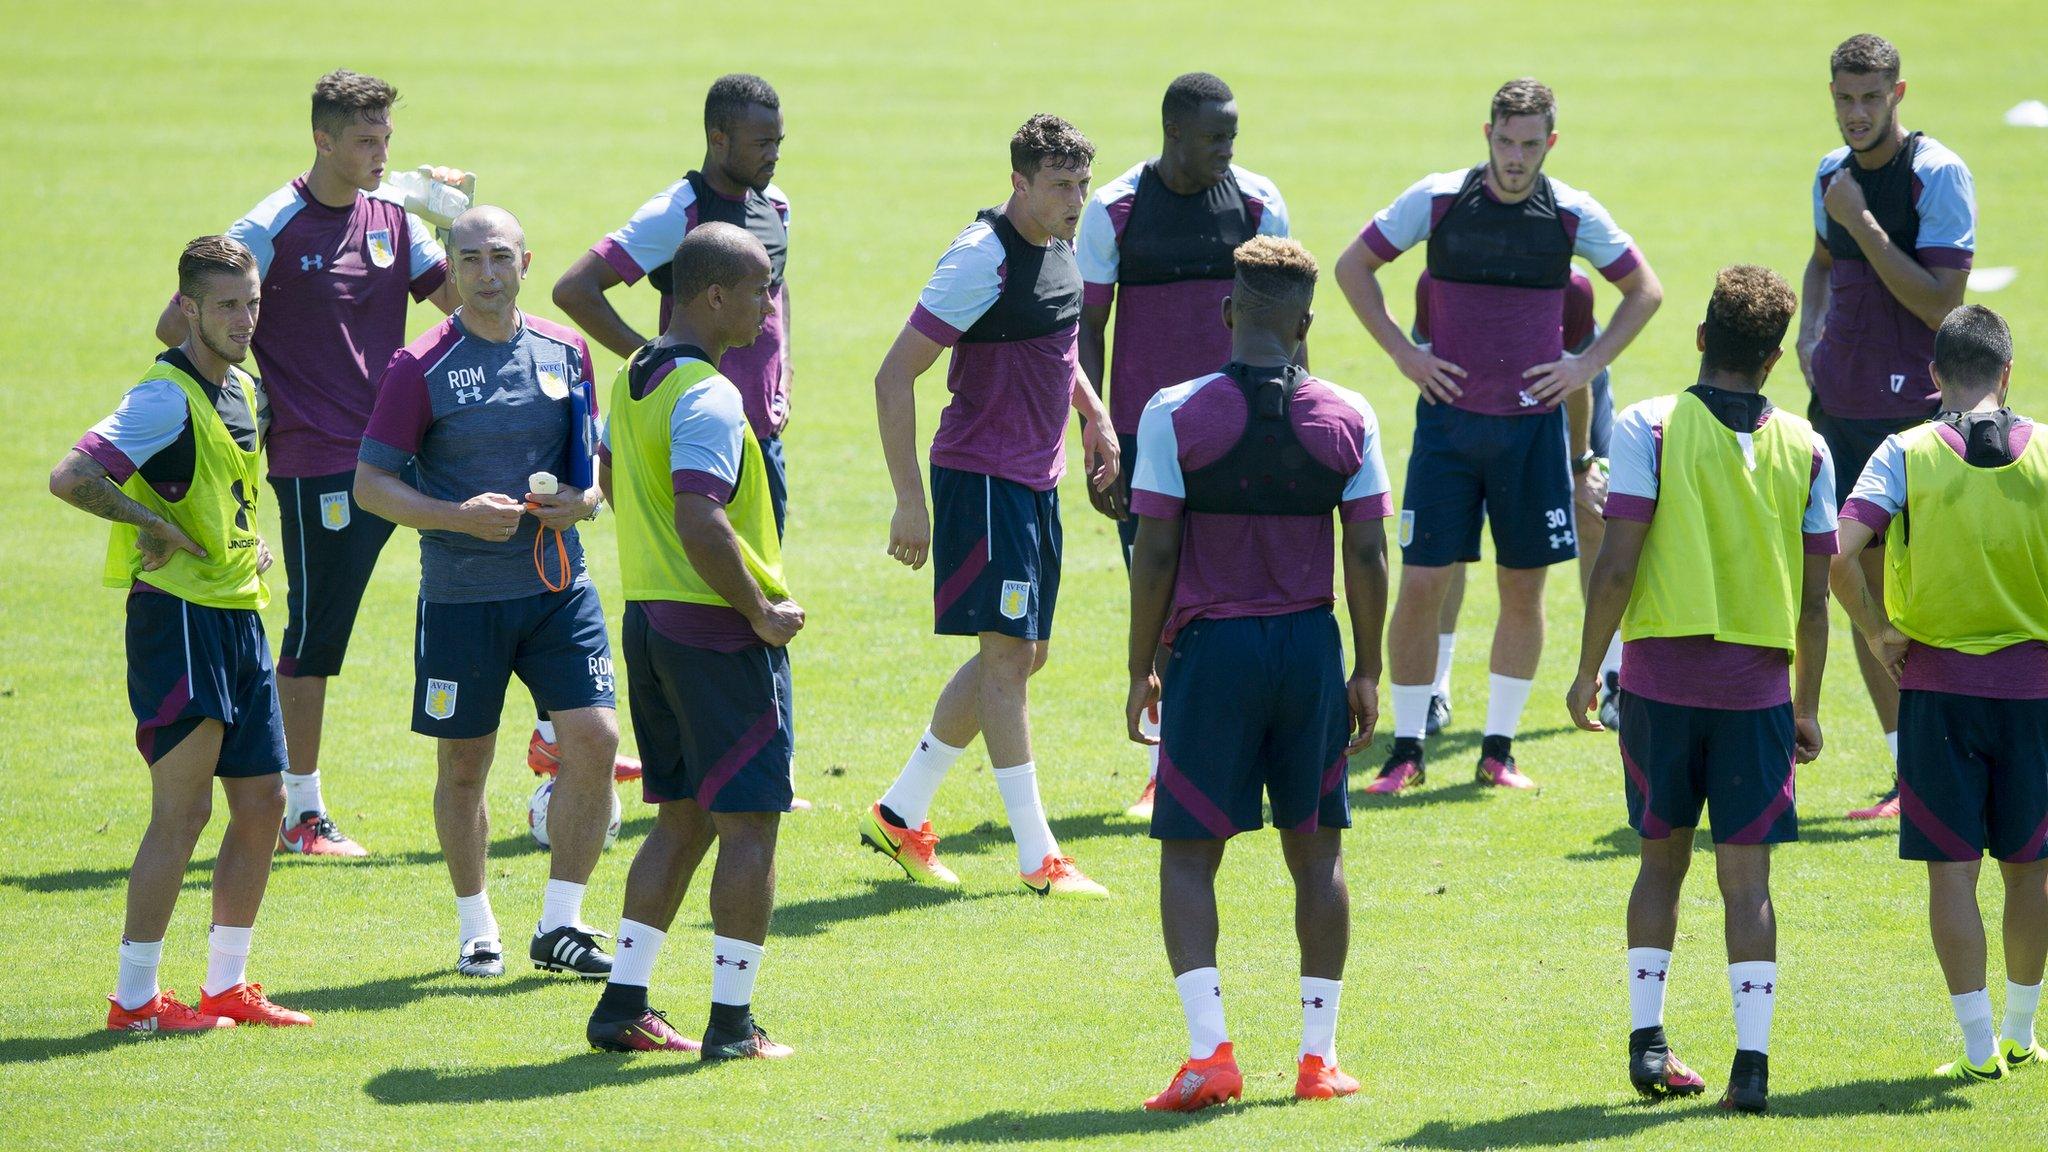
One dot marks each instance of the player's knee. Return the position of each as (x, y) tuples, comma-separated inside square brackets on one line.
[(1006, 660), (1041, 651), (464, 765), (1667, 860), (2023, 875), (251, 802), (182, 818), (587, 733), (1432, 584)]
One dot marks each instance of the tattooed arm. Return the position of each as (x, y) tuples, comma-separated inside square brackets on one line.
[(81, 481)]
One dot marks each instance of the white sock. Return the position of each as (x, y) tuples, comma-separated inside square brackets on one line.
[(2021, 1000), (1319, 1000), (136, 985), (1445, 643), (910, 797), (1973, 1013), (1647, 970), (546, 728), (1506, 696), (302, 795), (633, 959), (474, 913), (734, 964), (1754, 984), (1201, 1000), (1035, 842), (561, 903), (1411, 710), (227, 958), (1612, 661), (1149, 723), (1891, 741)]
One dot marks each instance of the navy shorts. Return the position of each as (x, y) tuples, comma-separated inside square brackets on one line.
[(1127, 467), (1737, 765), (1600, 432), (778, 479), (1253, 704), (716, 728), (1514, 471), (330, 548), (188, 663), (995, 556), (465, 654), (1973, 774), (1851, 443)]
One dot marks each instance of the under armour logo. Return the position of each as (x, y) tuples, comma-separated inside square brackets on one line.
[(722, 962), (1526, 400), (1316, 1002), (924, 745), (602, 683), (1645, 974), (1749, 987), (309, 263), (1560, 540), (468, 395), (625, 941)]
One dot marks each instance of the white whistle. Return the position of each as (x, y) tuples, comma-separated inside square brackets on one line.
[(542, 484)]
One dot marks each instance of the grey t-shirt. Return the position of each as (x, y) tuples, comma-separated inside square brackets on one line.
[(478, 416)]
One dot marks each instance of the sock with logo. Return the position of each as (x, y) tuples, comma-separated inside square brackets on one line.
[(1647, 970), (1973, 1015), (561, 903), (639, 946), (1446, 642), (1754, 985), (1149, 723), (1411, 710), (734, 964), (1319, 1000), (2021, 1001), (909, 799), (136, 984), (302, 795), (1201, 1000), (474, 914), (1506, 696), (227, 958), (1019, 786), (1891, 743)]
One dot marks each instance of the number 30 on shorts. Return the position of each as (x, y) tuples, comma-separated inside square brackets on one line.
[(1559, 522)]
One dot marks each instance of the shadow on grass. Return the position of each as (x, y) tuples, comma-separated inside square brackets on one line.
[(1579, 1124), (1623, 842), (37, 1049), (879, 898), (400, 991), (584, 1072), (989, 835), (1008, 1127)]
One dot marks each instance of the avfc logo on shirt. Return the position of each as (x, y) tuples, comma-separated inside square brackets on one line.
[(382, 254), (334, 511), (551, 371), (440, 702), (1016, 598)]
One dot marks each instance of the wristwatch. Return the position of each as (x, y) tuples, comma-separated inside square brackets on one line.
[(1583, 463)]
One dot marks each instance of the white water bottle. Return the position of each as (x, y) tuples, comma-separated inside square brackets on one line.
[(429, 199)]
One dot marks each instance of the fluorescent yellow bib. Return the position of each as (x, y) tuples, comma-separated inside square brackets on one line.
[(218, 511), (1724, 555), (652, 564), (1968, 558)]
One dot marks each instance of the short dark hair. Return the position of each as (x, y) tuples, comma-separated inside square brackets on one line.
[(1189, 91), (341, 96), (1046, 139), (1864, 54), (730, 97), (1972, 347), (211, 256), (1525, 97), (1746, 318), (712, 253), (1275, 276)]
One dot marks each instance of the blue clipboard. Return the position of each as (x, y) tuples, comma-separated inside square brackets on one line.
[(582, 436)]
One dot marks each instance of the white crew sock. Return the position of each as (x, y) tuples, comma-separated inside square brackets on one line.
[(1891, 742), (1149, 723), (910, 797), (1445, 643), (561, 903), (136, 985), (734, 964), (474, 913), (1506, 696), (1035, 842), (1411, 710), (1647, 971), (1973, 1014), (546, 728), (227, 958), (1754, 985), (302, 795), (639, 946), (1319, 1000), (2021, 1001), (1201, 1000), (1612, 661)]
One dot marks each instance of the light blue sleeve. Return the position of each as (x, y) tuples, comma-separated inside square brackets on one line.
[(1405, 223), (707, 432), (1948, 206), (1883, 482), (968, 279), (1095, 249), (1820, 497), (1632, 453), (148, 420), (1371, 478), (650, 236), (1159, 449), (427, 253), (256, 238)]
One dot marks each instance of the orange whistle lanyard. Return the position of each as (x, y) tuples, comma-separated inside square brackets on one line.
[(540, 566)]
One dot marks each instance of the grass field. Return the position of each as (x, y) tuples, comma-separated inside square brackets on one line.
[(1486, 1007)]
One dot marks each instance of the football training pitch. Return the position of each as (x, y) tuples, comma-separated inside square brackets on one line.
[(1485, 1005)]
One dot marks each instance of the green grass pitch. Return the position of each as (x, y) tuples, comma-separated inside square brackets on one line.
[(1485, 1007)]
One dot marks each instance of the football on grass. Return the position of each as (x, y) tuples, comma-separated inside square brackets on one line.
[(537, 814)]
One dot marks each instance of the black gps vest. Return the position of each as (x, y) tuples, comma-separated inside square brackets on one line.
[(1169, 238), (1041, 291), (1267, 472), (757, 214), (1889, 192), (1483, 241)]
